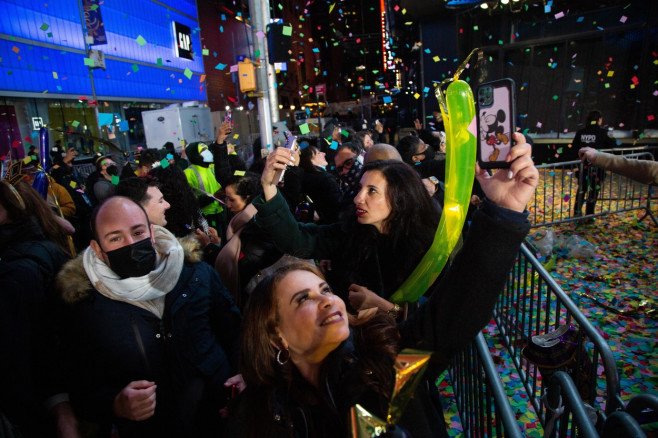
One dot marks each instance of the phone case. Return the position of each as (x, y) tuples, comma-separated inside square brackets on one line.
[(495, 118)]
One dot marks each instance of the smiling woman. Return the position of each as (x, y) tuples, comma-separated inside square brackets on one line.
[(306, 361)]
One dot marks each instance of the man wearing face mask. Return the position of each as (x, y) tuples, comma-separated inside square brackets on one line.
[(146, 324), (420, 155), (106, 186), (201, 177), (348, 169)]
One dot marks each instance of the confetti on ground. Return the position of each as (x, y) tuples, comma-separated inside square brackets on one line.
[(615, 289)]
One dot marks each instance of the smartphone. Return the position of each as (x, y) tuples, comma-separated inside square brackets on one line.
[(291, 143), (227, 117), (495, 120)]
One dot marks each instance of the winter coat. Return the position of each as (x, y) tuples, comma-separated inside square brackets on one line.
[(189, 353), (380, 271), (30, 370), (324, 190), (446, 323)]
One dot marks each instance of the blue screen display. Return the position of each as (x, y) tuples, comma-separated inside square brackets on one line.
[(45, 51)]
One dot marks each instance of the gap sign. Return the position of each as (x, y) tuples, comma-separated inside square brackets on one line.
[(183, 40)]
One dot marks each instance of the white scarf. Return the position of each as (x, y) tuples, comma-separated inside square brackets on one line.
[(148, 291)]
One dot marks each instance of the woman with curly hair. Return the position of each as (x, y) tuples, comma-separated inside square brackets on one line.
[(184, 216)]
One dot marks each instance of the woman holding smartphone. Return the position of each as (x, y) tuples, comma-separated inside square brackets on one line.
[(306, 361), (374, 250)]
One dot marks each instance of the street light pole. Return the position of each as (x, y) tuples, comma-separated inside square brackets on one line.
[(260, 47), (271, 72), (83, 23)]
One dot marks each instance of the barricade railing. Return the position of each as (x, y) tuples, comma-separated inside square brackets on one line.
[(559, 191), (84, 170), (482, 402), (568, 415), (641, 409), (532, 303)]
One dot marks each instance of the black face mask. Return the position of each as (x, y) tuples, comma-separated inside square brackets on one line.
[(112, 170), (429, 153), (134, 260)]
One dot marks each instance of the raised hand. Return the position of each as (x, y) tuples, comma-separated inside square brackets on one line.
[(511, 188)]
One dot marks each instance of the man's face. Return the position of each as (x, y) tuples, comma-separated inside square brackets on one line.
[(336, 134), (119, 223), (71, 153), (156, 206), (344, 160), (142, 171), (367, 141)]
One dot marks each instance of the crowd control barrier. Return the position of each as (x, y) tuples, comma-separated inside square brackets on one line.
[(558, 190), (482, 402), (532, 303)]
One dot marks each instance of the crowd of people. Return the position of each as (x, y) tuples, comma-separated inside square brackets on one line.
[(200, 295)]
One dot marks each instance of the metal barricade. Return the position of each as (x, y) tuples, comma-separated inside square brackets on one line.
[(84, 170), (482, 402), (641, 409), (532, 303), (564, 185), (569, 417)]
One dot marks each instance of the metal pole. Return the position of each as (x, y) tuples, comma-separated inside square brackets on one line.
[(260, 46), (271, 73), (83, 23), (422, 77)]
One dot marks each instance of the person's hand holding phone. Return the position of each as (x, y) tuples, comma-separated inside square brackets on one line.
[(275, 163), (511, 188), (224, 131)]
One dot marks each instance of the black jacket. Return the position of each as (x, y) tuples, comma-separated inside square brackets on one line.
[(189, 353), (446, 323), (30, 370), (382, 269), (324, 190)]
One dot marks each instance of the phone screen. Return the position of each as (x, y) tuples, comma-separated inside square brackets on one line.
[(495, 122)]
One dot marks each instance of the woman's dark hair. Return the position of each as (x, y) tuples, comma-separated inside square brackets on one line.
[(247, 186), (305, 157), (184, 215), (35, 208), (258, 162), (407, 147), (375, 338), (236, 163), (411, 205), (409, 227)]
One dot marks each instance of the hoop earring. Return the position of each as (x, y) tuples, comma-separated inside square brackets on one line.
[(278, 357)]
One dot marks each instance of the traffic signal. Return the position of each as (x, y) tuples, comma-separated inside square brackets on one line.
[(246, 76), (278, 43)]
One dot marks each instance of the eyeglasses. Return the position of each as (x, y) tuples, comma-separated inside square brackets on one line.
[(347, 164), (423, 149)]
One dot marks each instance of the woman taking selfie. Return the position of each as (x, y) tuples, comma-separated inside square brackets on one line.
[(393, 224), (306, 361)]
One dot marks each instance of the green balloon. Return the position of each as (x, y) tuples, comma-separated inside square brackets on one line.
[(460, 171)]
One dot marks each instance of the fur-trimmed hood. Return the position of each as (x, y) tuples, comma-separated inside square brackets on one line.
[(74, 285)]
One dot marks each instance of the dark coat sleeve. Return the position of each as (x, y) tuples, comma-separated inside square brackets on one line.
[(294, 238), (462, 303), (292, 186), (223, 172)]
